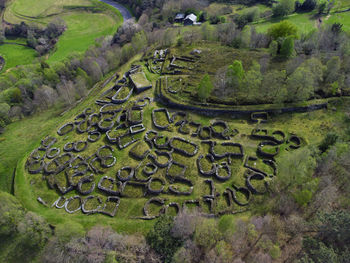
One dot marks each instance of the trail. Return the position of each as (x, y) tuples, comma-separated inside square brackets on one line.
[(122, 9)]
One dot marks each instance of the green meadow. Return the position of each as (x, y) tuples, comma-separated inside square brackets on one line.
[(15, 55)]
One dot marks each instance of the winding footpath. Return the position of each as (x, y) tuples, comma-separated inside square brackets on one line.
[(122, 9)]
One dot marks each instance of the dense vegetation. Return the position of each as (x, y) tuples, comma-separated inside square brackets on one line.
[(244, 55)]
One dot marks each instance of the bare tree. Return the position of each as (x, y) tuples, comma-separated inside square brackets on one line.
[(44, 97)]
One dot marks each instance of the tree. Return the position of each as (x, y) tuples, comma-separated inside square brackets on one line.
[(273, 48), (51, 76), (332, 76), (44, 97), (139, 41), (11, 96), (316, 68), (23, 234), (331, 244), (287, 48), (4, 110), (161, 239), (235, 75), (282, 30), (207, 234), (273, 88), (322, 7), (31, 40), (252, 82), (332, 70), (185, 224), (308, 5), (300, 88), (205, 88), (2, 35), (283, 8)]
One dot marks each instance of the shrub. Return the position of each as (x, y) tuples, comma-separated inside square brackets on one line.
[(275, 252), (330, 139), (4, 111), (11, 96), (303, 197)]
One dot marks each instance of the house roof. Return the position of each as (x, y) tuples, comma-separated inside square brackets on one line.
[(192, 17), (180, 16)]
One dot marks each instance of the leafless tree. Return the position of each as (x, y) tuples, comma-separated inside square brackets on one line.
[(44, 97), (185, 224)]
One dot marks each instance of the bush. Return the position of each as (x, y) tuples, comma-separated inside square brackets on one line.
[(275, 252), (303, 197), (11, 96), (330, 139), (4, 111)]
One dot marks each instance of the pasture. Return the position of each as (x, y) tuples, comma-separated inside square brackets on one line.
[(15, 55), (85, 21)]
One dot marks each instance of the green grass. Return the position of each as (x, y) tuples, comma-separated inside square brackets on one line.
[(15, 55), (34, 10), (22, 41), (82, 30), (304, 22), (83, 27), (342, 18)]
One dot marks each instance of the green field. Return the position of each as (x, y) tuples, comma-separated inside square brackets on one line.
[(40, 12), (342, 18), (15, 55), (304, 22), (82, 32), (83, 26)]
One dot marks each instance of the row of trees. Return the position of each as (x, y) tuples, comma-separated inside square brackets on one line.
[(287, 7), (277, 86)]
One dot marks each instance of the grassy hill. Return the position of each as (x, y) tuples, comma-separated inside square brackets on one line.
[(21, 138), (86, 20)]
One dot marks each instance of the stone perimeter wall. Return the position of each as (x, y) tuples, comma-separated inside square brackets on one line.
[(160, 97)]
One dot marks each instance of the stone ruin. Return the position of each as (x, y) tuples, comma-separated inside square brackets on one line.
[(171, 155)]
